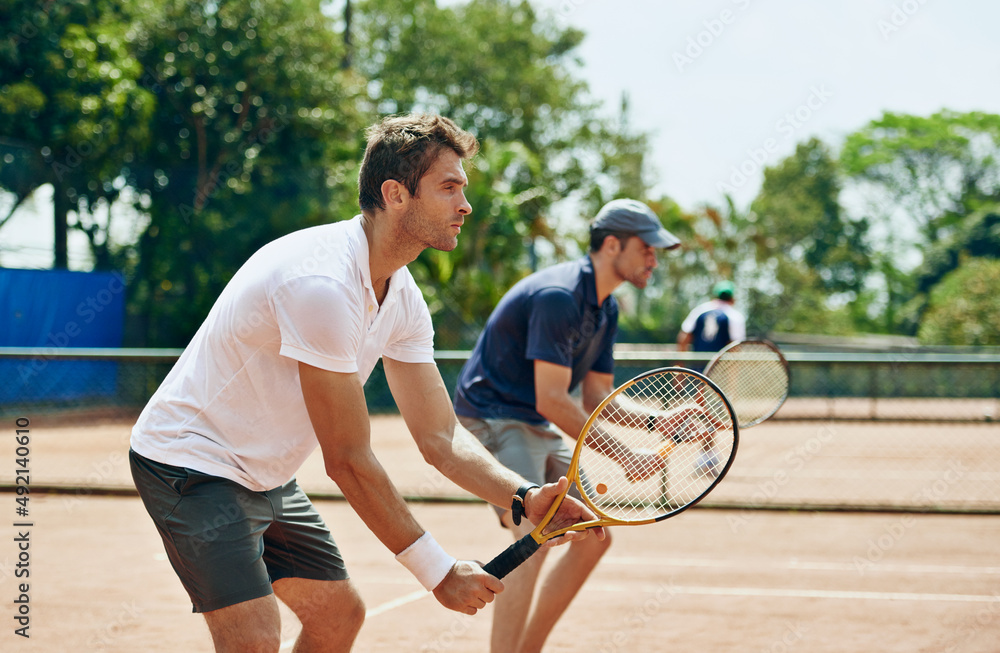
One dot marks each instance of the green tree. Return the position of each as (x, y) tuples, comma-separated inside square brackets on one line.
[(256, 134), (624, 155), (493, 66), (930, 179), (935, 170), (964, 308), (716, 243), (494, 250), (622, 173), (71, 111), (508, 76), (976, 237), (819, 258)]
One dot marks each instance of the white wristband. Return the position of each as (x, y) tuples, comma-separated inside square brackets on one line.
[(427, 561)]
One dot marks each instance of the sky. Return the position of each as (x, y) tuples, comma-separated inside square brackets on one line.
[(725, 88)]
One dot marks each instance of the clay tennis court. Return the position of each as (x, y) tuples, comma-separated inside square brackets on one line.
[(715, 578)]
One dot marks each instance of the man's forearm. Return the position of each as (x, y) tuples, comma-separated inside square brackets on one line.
[(467, 463), (367, 487)]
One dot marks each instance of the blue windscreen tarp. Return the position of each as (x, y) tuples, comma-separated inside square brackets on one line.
[(59, 310)]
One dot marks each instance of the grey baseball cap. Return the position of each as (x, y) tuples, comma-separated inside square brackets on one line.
[(632, 216)]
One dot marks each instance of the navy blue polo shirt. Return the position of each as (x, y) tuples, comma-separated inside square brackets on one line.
[(551, 315)]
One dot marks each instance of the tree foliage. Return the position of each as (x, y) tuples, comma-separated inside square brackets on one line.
[(934, 169), (255, 134), (506, 75), (493, 66), (815, 253), (964, 309), (935, 178), (71, 110), (228, 124), (976, 237)]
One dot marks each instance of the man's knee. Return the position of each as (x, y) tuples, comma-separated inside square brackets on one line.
[(354, 614), (335, 607)]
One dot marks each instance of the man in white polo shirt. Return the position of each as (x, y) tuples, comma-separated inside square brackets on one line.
[(277, 368)]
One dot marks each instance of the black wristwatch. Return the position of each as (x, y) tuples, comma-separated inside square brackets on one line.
[(517, 502)]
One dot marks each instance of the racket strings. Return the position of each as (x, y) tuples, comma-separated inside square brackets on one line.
[(755, 379), (670, 436)]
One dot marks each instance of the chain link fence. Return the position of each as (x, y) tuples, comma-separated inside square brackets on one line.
[(913, 431)]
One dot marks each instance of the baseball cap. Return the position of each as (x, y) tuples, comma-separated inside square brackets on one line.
[(723, 290), (632, 216)]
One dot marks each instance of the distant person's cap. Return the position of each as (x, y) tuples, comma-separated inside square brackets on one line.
[(632, 216), (723, 290)]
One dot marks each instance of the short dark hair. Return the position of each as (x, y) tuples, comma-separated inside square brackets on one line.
[(404, 148), (597, 237)]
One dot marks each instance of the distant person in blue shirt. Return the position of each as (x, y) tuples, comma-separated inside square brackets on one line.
[(714, 324), (552, 332)]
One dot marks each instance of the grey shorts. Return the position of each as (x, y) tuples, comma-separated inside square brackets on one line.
[(537, 453), (227, 543)]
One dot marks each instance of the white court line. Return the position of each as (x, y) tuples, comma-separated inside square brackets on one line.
[(730, 591), (805, 593), (854, 474), (374, 612), (396, 603), (800, 564)]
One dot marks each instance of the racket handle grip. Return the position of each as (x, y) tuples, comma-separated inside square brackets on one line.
[(512, 557)]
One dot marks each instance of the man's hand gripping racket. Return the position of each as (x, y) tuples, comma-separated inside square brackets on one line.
[(653, 448)]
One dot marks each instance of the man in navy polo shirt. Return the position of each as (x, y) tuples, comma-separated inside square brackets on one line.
[(552, 332)]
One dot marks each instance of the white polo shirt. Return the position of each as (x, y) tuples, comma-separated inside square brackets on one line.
[(232, 405)]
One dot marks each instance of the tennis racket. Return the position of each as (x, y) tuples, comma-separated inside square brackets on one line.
[(753, 374), (652, 449)]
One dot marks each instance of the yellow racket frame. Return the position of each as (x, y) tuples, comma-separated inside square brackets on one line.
[(573, 473)]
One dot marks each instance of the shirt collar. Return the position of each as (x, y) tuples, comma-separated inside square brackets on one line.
[(364, 262)]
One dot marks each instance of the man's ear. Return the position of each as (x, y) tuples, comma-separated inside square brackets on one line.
[(612, 245), (394, 194)]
